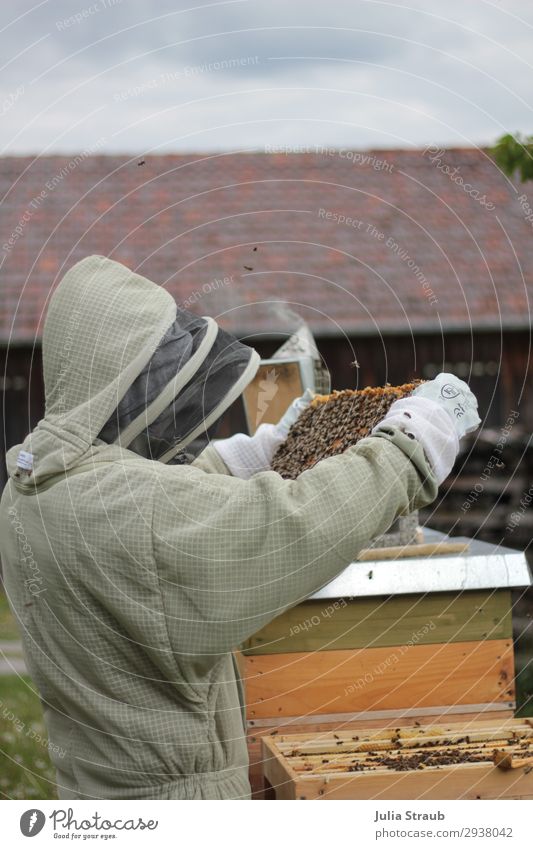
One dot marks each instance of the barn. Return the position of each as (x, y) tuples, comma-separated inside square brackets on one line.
[(403, 263)]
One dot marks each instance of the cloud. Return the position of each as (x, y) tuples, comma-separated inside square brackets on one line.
[(236, 75)]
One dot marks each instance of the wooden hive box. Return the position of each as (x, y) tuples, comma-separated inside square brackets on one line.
[(388, 642), (452, 761)]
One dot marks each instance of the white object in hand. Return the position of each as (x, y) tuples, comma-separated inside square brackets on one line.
[(247, 455), (426, 421), (455, 396)]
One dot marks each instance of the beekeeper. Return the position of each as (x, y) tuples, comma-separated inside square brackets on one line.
[(136, 559)]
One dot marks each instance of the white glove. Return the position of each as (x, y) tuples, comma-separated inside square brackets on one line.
[(246, 455), (426, 421), (454, 395)]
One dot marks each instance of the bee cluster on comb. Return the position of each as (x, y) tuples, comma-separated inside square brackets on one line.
[(333, 423)]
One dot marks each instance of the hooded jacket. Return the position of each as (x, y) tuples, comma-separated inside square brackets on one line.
[(133, 581)]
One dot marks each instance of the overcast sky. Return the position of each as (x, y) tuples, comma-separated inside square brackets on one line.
[(137, 76)]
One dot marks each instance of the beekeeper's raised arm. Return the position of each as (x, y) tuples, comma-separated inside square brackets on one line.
[(255, 545)]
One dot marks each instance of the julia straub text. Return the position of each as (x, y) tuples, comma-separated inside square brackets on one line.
[(408, 815)]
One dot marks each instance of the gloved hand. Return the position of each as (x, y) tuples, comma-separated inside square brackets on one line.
[(455, 396), (437, 414), (426, 421), (246, 455)]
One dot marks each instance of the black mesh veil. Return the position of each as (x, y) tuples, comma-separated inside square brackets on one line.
[(171, 410)]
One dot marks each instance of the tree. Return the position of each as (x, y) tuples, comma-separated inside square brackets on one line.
[(515, 154)]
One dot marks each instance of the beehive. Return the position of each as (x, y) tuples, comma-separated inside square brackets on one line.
[(389, 642), (444, 762)]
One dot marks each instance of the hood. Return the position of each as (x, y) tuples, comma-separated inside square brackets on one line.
[(104, 325), (172, 409)]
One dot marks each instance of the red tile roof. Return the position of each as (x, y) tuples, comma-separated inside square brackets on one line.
[(434, 239)]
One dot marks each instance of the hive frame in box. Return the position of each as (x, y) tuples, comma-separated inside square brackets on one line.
[(299, 766), (484, 569)]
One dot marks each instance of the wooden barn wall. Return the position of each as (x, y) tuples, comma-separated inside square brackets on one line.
[(501, 385), (22, 396), (498, 369)]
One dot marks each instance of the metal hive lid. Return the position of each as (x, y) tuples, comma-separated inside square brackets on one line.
[(483, 566)]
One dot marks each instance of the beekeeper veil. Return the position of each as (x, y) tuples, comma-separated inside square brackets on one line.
[(172, 409)]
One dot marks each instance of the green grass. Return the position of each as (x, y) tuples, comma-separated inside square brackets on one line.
[(8, 625), (25, 768)]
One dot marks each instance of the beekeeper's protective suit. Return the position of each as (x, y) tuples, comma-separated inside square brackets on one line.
[(134, 579)]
